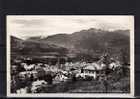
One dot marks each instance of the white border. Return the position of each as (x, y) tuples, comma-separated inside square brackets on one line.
[(78, 95)]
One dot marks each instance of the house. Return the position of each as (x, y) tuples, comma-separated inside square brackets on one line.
[(114, 65), (59, 78), (88, 71), (39, 84), (22, 91), (92, 70)]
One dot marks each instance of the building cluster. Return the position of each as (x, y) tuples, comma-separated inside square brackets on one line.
[(33, 77)]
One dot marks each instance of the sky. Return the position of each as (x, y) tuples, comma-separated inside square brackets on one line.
[(24, 26)]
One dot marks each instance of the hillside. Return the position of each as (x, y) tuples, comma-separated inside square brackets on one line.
[(90, 37), (33, 47), (89, 42), (16, 44)]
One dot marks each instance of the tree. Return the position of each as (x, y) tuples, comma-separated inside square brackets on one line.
[(124, 61)]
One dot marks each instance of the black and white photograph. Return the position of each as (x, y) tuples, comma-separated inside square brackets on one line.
[(70, 55)]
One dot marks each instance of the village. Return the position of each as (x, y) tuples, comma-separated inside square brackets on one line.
[(28, 76)]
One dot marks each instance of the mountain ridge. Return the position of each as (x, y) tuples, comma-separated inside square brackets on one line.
[(89, 42)]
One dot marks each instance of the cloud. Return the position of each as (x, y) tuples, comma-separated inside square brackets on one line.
[(29, 23), (23, 34), (49, 25)]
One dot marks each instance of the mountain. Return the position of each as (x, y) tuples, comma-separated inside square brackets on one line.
[(59, 39), (16, 44), (90, 42), (33, 47)]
